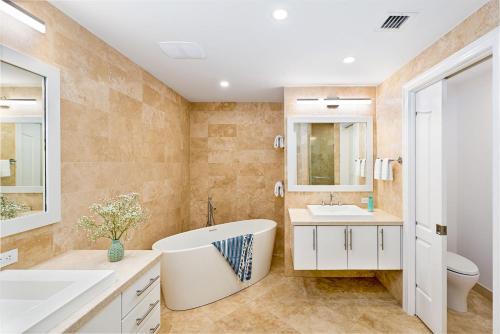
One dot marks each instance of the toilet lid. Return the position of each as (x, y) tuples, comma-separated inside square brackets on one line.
[(461, 265)]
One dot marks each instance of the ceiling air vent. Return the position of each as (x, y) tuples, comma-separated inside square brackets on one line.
[(183, 50), (394, 21)]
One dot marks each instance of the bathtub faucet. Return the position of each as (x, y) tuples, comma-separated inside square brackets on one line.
[(210, 213)]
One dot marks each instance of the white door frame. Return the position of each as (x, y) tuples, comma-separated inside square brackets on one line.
[(480, 48)]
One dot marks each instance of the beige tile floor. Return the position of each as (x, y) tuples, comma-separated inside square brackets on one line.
[(280, 304)]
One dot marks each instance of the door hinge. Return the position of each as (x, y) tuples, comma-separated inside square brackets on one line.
[(441, 229)]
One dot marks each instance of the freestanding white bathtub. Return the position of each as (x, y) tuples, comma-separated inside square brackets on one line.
[(194, 273)]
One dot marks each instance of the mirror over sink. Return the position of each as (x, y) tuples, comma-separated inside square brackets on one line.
[(330, 153), (30, 143)]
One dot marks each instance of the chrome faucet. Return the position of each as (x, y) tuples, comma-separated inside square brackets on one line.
[(210, 212), (332, 196)]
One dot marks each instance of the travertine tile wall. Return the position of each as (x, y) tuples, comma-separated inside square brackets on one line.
[(233, 160), (389, 101), (301, 199), (122, 130)]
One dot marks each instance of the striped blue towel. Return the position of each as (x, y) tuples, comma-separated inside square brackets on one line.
[(238, 253)]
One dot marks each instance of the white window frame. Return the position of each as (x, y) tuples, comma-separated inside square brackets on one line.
[(292, 153), (52, 213)]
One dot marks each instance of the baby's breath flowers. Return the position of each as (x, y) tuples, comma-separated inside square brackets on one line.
[(119, 215), (10, 209)]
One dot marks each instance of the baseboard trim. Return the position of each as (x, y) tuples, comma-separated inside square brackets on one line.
[(485, 292)]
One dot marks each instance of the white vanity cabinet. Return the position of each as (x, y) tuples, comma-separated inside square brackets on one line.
[(135, 310), (346, 247), (362, 250), (389, 247), (332, 247), (304, 250)]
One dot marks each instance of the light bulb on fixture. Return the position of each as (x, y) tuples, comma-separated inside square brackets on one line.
[(224, 84)]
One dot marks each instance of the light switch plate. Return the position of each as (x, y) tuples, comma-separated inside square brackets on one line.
[(8, 257), (364, 200)]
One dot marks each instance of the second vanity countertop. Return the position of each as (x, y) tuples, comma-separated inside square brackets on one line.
[(134, 264), (379, 217)]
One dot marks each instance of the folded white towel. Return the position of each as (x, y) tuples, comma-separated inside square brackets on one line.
[(356, 167), (279, 141), (4, 168), (377, 169), (362, 168), (386, 170), (279, 190)]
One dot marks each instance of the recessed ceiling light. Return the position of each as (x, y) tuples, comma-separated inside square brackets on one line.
[(224, 84), (349, 60), (280, 14)]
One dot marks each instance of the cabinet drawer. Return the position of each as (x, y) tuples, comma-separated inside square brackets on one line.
[(140, 289), (143, 311), (152, 324)]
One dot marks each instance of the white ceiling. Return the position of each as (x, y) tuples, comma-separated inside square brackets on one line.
[(258, 55)]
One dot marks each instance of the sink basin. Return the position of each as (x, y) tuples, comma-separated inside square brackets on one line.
[(38, 300), (339, 211)]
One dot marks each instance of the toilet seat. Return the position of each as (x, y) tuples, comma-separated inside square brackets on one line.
[(461, 265)]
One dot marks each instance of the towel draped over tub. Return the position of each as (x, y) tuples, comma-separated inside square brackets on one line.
[(238, 253)]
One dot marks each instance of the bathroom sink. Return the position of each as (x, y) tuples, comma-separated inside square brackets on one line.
[(38, 300), (339, 211)]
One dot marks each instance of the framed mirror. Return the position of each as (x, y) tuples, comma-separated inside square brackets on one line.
[(330, 153), (30, 191)]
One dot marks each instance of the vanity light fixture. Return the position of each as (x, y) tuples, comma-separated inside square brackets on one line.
[(280, 14), (10, 102), (10, 8), (334, 101), (224, 84)]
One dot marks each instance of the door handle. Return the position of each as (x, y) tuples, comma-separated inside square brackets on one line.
[(350, 238), (441, 229), (382, 237), (314, 238)]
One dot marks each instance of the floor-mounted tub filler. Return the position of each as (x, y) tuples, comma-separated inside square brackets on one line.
[(194, 273)]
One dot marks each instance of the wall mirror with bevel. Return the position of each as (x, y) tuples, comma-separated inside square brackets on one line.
[(30, 143), (329, 153)]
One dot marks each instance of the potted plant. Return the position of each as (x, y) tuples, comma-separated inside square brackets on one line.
[(118, 215)]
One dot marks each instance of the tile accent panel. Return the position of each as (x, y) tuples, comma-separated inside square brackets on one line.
[(233, 160)]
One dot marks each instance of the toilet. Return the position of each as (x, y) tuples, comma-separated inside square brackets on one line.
[(462, 274)]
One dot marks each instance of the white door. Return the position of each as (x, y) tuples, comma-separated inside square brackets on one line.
[(332, 247), (28, 154), (430, 247), (362, 250), (304, 247), (389, 247)]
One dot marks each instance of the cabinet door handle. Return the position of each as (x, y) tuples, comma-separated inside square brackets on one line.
[(382, 238), (345, 239), (153, 330), (314, 238), (151, 281), (350, 238), (138, 321)]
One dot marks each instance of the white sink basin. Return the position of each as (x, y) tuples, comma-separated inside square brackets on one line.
[(38, 300), (339, 211)]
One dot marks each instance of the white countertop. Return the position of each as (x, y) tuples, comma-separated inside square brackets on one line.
[(126, 271), (379, 217)]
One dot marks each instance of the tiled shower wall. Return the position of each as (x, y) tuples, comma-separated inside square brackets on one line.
[(121, 130), (233, 160)]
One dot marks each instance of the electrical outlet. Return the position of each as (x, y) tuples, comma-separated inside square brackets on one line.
[(364, 200), (8, 257)]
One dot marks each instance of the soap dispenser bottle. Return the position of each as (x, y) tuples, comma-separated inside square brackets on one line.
[(370, 203)]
